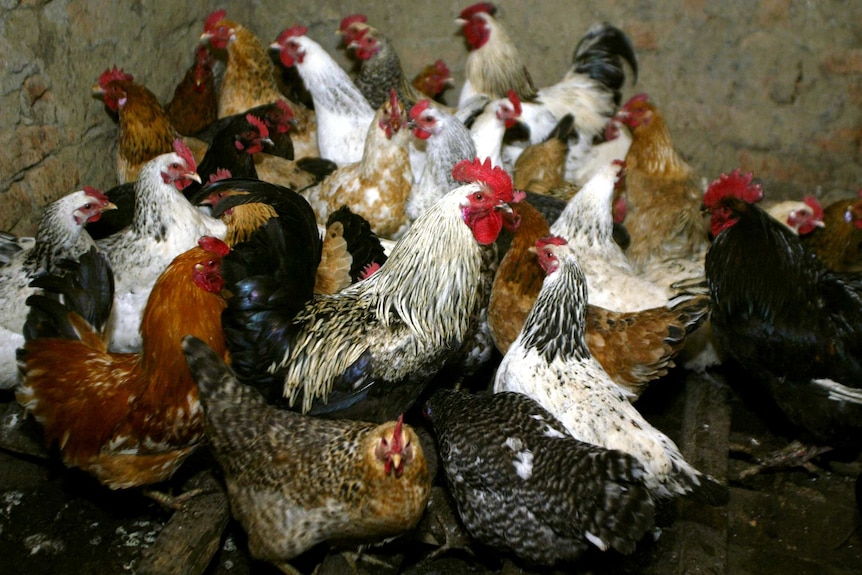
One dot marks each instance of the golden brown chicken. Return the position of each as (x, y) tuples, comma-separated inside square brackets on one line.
[(541, 168), (130, 419), (145, 128), (663, 197), (249, 79), (295, 481)]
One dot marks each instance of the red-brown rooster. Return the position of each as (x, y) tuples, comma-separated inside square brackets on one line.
[(368, 351), (194, 105), (129, 419), (792, 323)]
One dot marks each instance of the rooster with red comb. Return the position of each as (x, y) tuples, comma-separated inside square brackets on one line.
[(368, 351)]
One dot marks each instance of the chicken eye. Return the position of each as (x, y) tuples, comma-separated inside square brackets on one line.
[(211, 263), (175, 166), (87, 206), (479, 196)]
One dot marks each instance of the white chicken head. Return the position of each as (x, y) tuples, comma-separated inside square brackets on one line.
[(290, 45)]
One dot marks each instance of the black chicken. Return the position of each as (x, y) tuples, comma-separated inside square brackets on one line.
[(523, 484), (790, 322)]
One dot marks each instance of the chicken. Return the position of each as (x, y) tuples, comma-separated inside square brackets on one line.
[(165, 225), (343, 113), (295, 481), (249, 79), (145, 128), (590, 90), (550, 362), (128, 419), (433, 80), (523, 485), (800, 217), (663, 197), (447, 142), (233, 149), (494, 65), (194, 105), (489, 127), (634, 348), (369, 350), (789, 321), (348, 248), (615, 146), (541, 167), (60, 234), (378, 186), (587, 225), (379, 66), (838, 243)]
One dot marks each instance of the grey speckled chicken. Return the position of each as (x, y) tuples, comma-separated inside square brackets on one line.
[(523, 484), (295, 481)]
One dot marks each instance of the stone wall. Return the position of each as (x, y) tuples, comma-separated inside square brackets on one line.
[(772, 86)]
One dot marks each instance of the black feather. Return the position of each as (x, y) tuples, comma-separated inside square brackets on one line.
[(362, 243), (600, 55)]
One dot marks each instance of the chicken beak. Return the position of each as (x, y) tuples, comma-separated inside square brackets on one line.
[(511, 220), (109, 206), (275, 46), (97, 90), (396, 463), (268, 142), (205, 37), (460, 21), (412, 124), (194, 176)]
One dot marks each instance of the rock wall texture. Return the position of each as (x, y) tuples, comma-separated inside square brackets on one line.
[(773, 86)]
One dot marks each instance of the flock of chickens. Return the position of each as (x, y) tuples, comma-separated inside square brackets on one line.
[(300, 263)]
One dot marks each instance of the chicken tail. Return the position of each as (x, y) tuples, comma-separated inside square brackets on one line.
[(76, 302), (600, 53), (362, 243), (217, 383)]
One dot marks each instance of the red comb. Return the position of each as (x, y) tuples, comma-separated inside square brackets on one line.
[(262, 130), (112, 74), (292, 32), (736, 185), (418, 108), (442, 68), (478, 171), (550, 241), (642, 97), (516, 101), (213, 19), (220, 174), (471, 11), (814, 204), (348, 20), (183, 151), (397, 435), (394, 103), (98, 194), (214, 245)]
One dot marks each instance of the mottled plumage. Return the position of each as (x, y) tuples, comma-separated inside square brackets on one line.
[(165, 224), (295, 481), (550, 362), (523, 484), (60, 234)]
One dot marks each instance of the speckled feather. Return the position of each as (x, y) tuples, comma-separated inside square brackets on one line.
[(295, 481), (551, 363), (523, 485)]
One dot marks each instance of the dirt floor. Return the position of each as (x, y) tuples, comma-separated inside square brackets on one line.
[(59, 521)]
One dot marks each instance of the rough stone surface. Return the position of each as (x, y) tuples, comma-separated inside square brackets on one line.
[(772, 86)]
